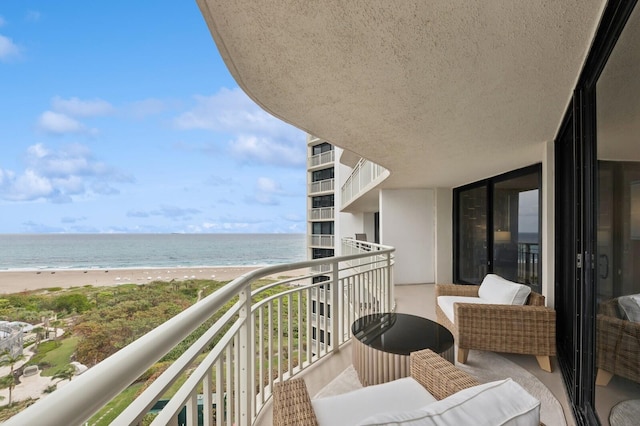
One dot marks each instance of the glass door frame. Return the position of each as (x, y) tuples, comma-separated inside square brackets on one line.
[(578, 365), (489, 185)]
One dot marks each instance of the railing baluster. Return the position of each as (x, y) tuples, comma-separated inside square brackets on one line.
[(290, 356), (261, 357), (220, 392), (229, 387), (192, 410), (207, 400), (244, 360), (279, 332)]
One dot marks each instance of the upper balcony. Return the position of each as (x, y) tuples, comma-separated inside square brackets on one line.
[(364, 177), (321, 186), (322, 213), (261, 334), (321, 241), (321, 159)]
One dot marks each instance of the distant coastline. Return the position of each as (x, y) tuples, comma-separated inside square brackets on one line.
[(53, 252), (18, 281)]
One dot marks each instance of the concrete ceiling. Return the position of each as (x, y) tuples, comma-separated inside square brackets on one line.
[(441, 92)]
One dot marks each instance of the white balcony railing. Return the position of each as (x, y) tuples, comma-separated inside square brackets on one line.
[(326, 185), (264, 337), (321, 240), (321, 159), (363, 174), (322, 213)]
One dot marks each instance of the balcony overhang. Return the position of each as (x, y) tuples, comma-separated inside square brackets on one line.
[(440, 93)]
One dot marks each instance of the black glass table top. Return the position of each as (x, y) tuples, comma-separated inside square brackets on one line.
[(401, 333)]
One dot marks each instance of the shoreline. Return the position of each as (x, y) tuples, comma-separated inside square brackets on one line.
[(16, 281)]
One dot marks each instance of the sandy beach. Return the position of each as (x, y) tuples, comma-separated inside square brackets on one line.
[(17, 281)]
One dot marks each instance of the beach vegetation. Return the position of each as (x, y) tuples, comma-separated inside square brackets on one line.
[(72, 303), (8, 411), (102, 320), (65, 373)]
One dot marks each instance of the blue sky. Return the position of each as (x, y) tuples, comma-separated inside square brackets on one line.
[(121, 117)]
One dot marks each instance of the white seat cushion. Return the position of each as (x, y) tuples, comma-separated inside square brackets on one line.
[(446, 304), (352, 407), (497, 290), (502, 402)]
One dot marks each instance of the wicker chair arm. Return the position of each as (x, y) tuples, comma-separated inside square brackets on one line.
[(438, 376), (506, 328), (292, 404), (456, 290)]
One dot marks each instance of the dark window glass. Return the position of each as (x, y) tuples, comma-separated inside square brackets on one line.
[(322, 228), (322, 201), (323, 174), (497, 223), (323, 147), (319, 253)]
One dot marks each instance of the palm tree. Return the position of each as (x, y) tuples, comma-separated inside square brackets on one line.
[(7, 359), (9, 381), (38, 331), (66, 373)]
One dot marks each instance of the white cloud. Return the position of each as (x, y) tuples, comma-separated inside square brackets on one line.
[(81, 108), (268, 185), (256, 136), (146, 107), (53, 122), (8, 49), (30, 186), (57, 176), (253, 149)]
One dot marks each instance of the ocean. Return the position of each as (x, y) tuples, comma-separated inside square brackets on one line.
[(101, 251)]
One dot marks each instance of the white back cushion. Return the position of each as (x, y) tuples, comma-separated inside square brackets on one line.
[(503, 402), (352, 407), (495, 289)]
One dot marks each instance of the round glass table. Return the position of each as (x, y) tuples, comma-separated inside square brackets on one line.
[(382, 344)]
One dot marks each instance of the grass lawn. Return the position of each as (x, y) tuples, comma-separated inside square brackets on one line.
[(109, 412), (59, 357)]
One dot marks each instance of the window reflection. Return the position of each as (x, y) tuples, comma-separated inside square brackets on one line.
[(618, 226)]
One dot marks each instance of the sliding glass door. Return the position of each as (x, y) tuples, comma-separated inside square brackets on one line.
[(497, 228)]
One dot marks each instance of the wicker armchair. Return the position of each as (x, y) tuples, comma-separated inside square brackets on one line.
[(617, 344), (528, 329), (292, 404)]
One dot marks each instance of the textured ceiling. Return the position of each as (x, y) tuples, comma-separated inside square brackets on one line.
[(441, 93)]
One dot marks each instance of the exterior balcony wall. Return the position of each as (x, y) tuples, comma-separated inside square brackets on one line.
[(322, 213), (322, 159), (322, 186)]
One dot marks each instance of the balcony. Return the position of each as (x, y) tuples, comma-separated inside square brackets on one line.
[(321, 159), (321, 241), (321, 186), (365, 175), (322, 213), (263, 336)]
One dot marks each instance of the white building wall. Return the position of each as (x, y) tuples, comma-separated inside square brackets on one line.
[(407, 222), (443, 235)]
